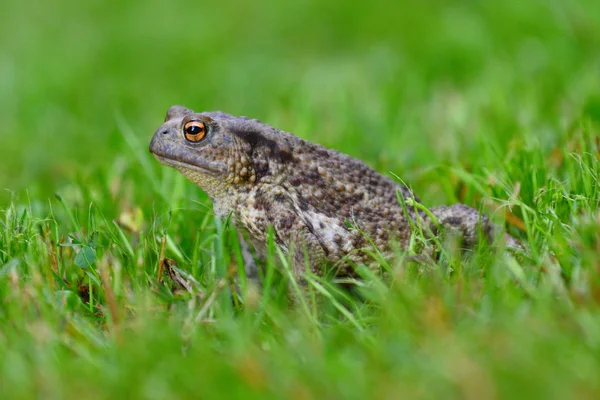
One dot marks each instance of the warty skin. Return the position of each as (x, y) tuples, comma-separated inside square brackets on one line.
[(321, 204)]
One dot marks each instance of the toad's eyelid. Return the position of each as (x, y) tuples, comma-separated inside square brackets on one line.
[(193, 118)]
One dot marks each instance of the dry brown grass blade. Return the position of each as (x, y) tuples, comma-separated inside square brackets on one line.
[(111, 299), (515, 221), (161, 259)]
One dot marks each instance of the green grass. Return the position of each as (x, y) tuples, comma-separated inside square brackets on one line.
[(493, 104)]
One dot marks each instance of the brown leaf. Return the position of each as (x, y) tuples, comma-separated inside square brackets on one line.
[(178, 280)]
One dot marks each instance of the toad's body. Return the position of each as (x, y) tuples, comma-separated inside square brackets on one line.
[(321, 204)]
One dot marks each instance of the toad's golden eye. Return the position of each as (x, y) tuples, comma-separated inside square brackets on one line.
[(194, 131)]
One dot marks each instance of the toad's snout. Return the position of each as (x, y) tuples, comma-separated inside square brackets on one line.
[(162, 135)]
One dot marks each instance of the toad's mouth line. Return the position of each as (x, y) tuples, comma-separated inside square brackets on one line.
[(205, 169)]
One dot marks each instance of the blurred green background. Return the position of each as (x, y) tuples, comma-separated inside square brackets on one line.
[(405, 85), (465, 100)]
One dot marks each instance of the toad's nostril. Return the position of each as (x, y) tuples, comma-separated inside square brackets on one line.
[(164, 132)]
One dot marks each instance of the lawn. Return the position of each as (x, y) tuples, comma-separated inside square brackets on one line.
[(492, 104)]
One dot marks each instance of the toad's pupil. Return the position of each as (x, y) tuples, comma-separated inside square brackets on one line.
[(194, 130)]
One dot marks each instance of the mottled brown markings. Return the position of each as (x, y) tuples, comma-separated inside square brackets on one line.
[(316, 235), (453, 221), (302, 203), (256, 140), (261, 168), (287, 222), (261, 202), (295, 181)]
